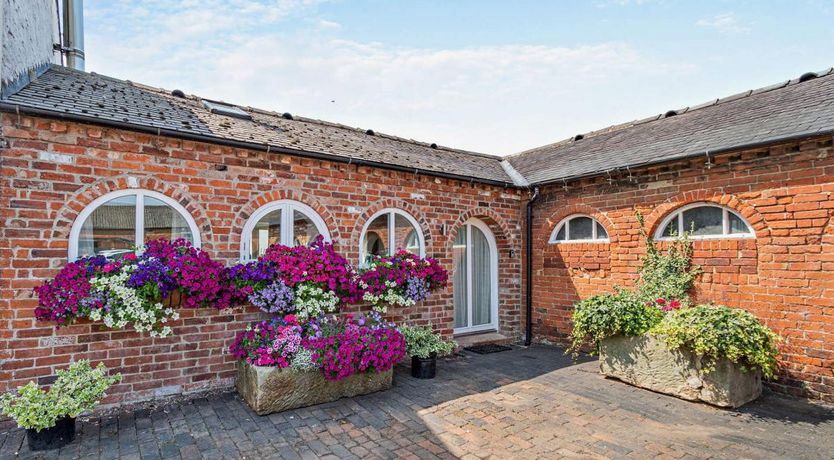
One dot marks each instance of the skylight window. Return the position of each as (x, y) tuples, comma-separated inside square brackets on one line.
[(226, 109)]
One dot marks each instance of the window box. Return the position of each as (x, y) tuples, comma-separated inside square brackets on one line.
[(272, 389), (647, 362)]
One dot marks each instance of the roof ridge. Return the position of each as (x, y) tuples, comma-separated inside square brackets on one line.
[(689, 109)]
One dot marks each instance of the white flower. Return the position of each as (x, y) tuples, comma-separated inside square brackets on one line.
[(128, 307), (311, 301)]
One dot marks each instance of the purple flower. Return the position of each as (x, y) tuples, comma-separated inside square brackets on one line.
[(275, 298), (417, 289), (151, 276)]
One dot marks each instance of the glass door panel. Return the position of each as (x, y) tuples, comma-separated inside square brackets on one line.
[(481, 279), (475, 279)]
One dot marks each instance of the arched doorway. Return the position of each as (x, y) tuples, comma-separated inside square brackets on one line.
[(475, 278)]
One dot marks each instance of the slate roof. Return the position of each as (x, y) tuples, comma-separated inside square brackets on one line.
[(792, 109), (96, 98)]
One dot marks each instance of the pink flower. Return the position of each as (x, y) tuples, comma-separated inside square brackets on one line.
[(661, 301), (673, 305), (129, 256)]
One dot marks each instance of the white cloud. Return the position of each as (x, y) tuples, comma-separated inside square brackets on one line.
[(605, 3), (724, 23), (331, 25), (496, 99)]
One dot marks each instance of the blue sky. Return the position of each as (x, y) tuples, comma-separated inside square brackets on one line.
[(489, 76)]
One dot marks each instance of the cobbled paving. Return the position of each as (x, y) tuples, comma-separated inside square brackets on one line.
[(525, 403)]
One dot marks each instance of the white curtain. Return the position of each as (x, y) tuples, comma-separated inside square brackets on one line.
[(481, 279)]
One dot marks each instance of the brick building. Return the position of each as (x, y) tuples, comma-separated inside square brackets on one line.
[(92, 164)]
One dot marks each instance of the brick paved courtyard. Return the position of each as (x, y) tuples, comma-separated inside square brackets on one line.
[(526, 403)]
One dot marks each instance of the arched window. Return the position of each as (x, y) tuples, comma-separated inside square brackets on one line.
[(579, 229), (704, 221), (281, 222), (118, 222), (389, 230)]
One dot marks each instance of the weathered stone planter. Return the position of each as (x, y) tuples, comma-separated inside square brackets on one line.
[(272, 389), (646, 362)]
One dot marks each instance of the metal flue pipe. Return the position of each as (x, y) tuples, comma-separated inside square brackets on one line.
[(74, 33)]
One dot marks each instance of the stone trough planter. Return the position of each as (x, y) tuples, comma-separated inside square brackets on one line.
[(646, 362), (271, 389)]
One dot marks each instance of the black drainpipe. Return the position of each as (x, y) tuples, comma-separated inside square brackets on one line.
[(528, 337)]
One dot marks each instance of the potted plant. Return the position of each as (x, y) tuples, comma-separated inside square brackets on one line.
[(423, 345), (49, 416), (288, 363)]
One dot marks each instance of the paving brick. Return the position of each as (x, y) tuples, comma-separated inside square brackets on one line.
[(526, 403)]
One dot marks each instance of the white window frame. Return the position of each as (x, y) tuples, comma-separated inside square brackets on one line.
[(140, 194), (287, 208), (567, 240), (725, 224), (493, 274), (392, 237)]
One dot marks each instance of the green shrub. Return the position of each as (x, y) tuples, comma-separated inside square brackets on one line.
[(666, 274), (422, 342), (77, 389), (721, 332), (601, 316)]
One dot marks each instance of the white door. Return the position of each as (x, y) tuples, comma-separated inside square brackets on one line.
[(475, 279)]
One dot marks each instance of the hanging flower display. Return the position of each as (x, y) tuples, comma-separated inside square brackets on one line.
[(401, 280), (131, 291)]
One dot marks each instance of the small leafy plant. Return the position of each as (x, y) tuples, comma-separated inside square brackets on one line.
[(601, 316), (666, 274), (77, 389), (716, 332), (422, 342)]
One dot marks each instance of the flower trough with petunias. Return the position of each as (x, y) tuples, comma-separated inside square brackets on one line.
[(285, 364)]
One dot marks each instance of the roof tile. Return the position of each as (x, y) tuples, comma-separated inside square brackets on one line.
[(66, 91), (770, 114)]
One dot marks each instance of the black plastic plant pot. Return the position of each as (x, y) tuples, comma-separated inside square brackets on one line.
[(424, 368), (52, 438)]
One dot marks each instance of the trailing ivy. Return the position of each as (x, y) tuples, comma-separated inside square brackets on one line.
[(422, 342), (77, 389), (716, 332), (666, 274), (601, 316)]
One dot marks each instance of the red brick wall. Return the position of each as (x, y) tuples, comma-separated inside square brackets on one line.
[(785, 276), (53, 169)]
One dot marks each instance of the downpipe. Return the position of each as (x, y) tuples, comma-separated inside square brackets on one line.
[(528, 336)]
